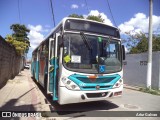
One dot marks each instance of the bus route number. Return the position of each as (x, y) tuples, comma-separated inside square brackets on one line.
[(82, 84)]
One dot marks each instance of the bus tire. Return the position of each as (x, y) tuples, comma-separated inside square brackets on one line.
[(33, 75)]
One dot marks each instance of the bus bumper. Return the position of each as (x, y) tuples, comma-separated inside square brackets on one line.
[(67, 96)]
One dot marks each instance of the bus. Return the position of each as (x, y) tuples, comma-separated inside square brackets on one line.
[(80, 61)]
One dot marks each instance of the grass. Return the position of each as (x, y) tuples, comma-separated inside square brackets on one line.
[(151, 91)]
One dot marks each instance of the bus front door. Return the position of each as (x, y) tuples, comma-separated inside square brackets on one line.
[(52, 68)]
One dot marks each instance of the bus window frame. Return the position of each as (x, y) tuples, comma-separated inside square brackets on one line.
[(98, 35), (92, 22)]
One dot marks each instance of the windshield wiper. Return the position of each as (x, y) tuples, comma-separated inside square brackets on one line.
[(85, 40)]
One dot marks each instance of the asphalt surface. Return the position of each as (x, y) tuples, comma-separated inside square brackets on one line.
[(25, 94)]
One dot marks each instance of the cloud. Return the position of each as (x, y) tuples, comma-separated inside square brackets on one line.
[(35, 35), (39, 28), (74, 6), (139, 23), (97, 13), (35, 28)]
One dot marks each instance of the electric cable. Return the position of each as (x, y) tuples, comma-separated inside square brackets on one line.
[(87, 6), (52, 12), (19, 15), (111, 13)]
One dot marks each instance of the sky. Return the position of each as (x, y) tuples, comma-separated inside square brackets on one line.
[(129, 15)]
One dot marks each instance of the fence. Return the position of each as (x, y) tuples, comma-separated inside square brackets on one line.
[(135, 70), (10, 62)]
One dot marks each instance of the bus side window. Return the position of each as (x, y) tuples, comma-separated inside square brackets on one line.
[(52, 50)]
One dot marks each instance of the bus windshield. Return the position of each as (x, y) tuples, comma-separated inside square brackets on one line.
[(86, 53)]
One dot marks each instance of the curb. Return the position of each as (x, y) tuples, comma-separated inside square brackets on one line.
[(132, 87)]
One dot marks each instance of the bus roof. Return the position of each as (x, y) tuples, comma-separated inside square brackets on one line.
[(63, 21)]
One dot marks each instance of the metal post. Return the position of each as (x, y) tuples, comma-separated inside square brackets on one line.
[(149, 65)]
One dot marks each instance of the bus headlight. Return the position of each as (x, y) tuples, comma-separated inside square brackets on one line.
[(118, 83), (70, 84)]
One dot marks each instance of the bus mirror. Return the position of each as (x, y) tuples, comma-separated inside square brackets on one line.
[(123, 52), (60, 41)]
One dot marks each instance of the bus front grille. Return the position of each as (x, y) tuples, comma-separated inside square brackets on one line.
[(94, 95), (94, 87), (97, 80)]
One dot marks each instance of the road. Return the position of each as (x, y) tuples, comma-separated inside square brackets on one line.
[(31, 94)]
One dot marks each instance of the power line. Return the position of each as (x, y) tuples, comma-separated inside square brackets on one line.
[(111, 13), (19, 12), (87, 6), (52, 12)]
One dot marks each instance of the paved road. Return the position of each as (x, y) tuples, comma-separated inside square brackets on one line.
[(131, 101), (24, 94)]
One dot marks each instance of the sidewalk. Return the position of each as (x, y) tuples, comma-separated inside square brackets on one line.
[(19, 94), (22, 94)]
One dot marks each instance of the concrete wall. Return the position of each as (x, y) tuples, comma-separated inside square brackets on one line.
[(10, 62), (135, 69)]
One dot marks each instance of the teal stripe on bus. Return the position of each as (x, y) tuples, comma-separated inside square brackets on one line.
[(37, 71), (53, 80), (84, 83)]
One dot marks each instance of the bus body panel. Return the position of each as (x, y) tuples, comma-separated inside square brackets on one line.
[(76, 96), (33, 68), (37, 71), (52, 76), (42, 65)]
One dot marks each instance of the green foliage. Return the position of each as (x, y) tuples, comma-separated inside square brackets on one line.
[(20, 32), (142, 46), (90, 17), (156, 43), (151, 91), (138, 43), (76, 16), (95, 18), (19, 38), (20, 46)]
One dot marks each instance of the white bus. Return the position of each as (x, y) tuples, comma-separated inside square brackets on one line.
[(80, 61)]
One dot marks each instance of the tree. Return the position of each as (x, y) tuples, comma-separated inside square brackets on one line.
[(90, 17), (19, 38), (20, 32), (138, 42), (19, 46), (95, 18), (156, 43), (76, 16)]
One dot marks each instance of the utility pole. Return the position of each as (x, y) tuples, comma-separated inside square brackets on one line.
[(149, 65)]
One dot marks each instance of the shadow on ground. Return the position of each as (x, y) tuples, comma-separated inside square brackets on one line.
[(3, 84), (11, 106)]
